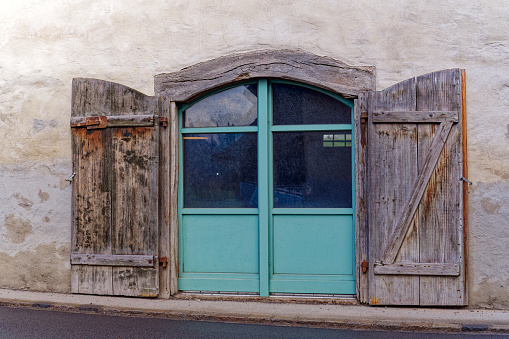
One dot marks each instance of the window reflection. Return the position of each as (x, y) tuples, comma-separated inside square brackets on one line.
[(233, 107), (312, 170), (220, 170), (297, 105)]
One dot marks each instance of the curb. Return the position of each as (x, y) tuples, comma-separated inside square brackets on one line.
[(279, 320)]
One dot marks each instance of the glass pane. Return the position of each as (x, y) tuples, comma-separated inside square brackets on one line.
[(312, 169), (296, 105), (220, 170), (233, 107)]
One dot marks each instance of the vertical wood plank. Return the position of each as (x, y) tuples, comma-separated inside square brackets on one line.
[(392, 153), (465, 184), (173, 127), (361, 217), (91, 190), (135, 156), (91, 205), (90, 97), (135, 226), (125, 100), (95, 280), (164, 198), (440, 217), (135, 281)]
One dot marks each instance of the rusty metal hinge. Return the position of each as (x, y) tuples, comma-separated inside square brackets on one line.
[(163, 261), (92, 123), (365, 266), (364, 120), (163, 121)]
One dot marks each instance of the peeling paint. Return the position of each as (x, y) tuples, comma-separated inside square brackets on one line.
[(17, 229)]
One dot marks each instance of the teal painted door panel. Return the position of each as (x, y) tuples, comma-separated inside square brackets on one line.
[(312, 286), (223, 282), (220, 243), (266, 203), (313, 244)]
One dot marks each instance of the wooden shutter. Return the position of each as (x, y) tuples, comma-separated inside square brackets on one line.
[(414, 165), (115, 138)]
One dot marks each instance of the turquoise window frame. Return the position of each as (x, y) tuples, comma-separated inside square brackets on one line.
[(265, 180)]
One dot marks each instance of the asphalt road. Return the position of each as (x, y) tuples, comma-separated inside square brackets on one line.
[(33, 323)]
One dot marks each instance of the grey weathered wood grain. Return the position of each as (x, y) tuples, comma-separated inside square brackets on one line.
[(135, 282), (361, 196), (128, 101), (392, 156), (300, 66), (115, 190), (440, 210), (164, 198), (135, 174), (442, 269), (174, 175), (90, 97), (403, 221), (95, 280), (113, 260), (432, 214), (415, 117)]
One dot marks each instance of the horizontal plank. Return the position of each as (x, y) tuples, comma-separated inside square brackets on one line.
[(419, 269), (414, 116), (113, 260), (146, 120)]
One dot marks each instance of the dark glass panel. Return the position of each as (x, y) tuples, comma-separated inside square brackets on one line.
[(220, 170), (312, 169), (296, 105), (233, 107)]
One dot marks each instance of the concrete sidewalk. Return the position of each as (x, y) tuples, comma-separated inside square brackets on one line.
[(347, 314)]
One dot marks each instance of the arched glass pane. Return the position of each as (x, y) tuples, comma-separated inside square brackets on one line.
[(233, 107), (297, 105), (220, 170)]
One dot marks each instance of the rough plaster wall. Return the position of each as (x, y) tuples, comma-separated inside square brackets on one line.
[(43, 44)]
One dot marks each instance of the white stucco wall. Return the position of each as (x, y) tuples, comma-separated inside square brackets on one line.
[(44, 44)]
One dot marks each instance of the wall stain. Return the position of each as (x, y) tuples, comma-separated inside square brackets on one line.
[(490, 206), (17, 229), (43, 195), (43, 269), (46, 219), (491, 294), (23, 202)]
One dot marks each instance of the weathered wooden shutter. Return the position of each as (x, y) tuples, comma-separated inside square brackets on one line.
[(115, 138), (415, 191)]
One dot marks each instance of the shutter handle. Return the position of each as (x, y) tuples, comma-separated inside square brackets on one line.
[(468, 181), (70, 177)]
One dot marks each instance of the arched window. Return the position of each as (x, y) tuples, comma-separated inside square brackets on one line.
[(266, 186)]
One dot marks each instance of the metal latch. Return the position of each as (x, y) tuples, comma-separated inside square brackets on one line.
[(92, 123), (365, 266), (364, 119), (163, 261), (163, 121)]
